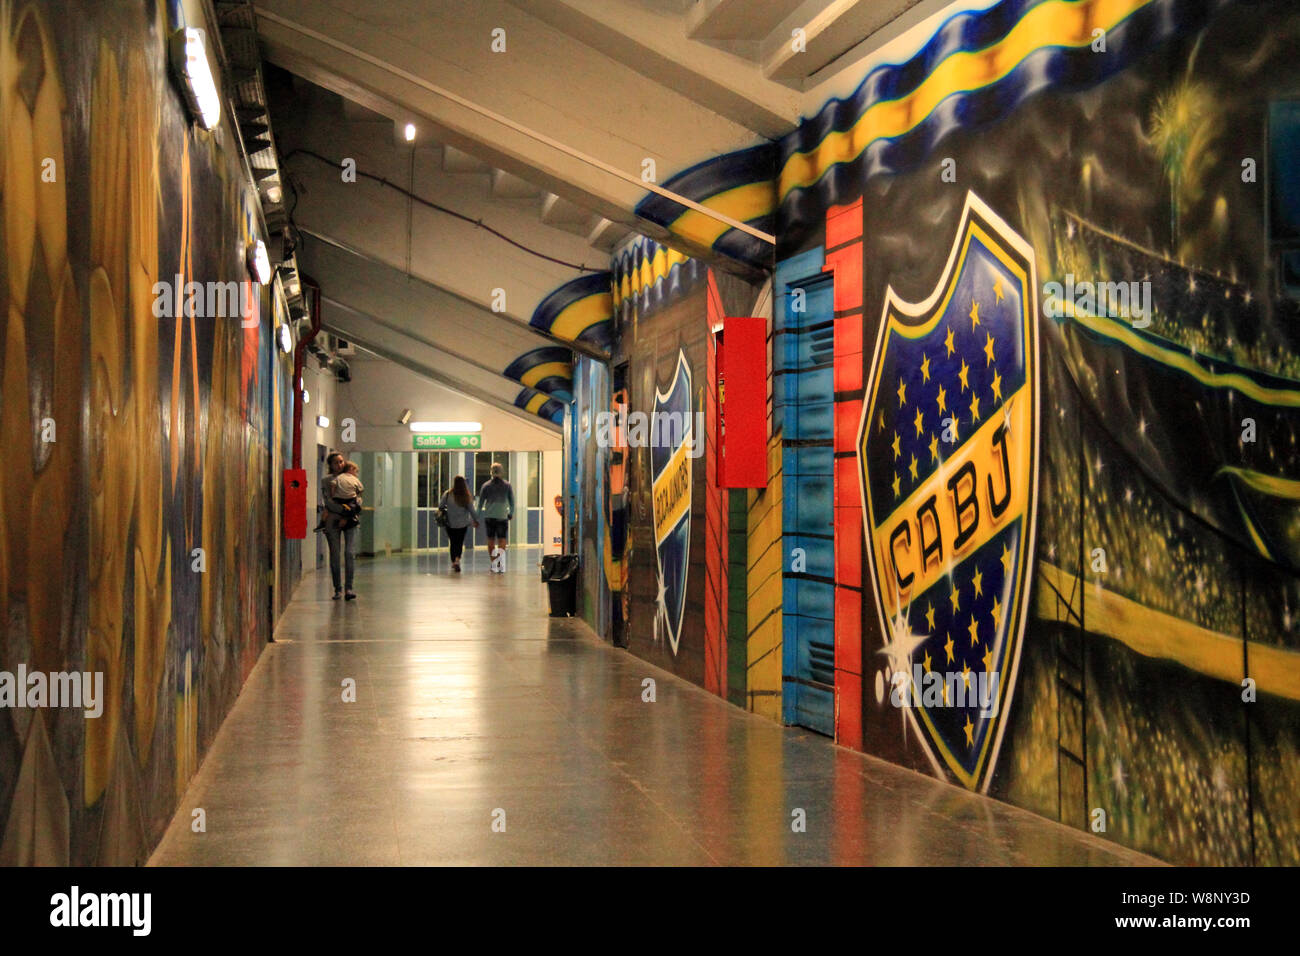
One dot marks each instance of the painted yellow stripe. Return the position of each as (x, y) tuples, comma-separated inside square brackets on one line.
[(1065, 23), (901, 557), (545, 370), (535, 403), (576, 318), (1271, 485), (741, 202), (672, 493), (651, 271), (1157, 634), (1122, 332)]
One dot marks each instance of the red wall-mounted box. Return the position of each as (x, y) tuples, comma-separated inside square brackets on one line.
[(295, 504), (742, 402)]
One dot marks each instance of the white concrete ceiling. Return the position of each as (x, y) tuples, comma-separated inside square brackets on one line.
[(545, 142)]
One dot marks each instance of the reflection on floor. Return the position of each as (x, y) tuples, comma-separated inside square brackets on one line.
[(474, 709)]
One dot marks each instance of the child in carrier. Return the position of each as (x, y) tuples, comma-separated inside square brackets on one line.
[(343, 498)]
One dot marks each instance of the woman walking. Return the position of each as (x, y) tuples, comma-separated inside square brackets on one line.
[(457, 505), (341, 495)]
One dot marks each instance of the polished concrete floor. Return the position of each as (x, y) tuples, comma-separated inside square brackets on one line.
[(474, 709)]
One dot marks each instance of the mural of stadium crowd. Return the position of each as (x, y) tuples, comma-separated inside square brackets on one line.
[(985, 473)]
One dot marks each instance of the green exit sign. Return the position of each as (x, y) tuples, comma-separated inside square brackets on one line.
[(445, 442)]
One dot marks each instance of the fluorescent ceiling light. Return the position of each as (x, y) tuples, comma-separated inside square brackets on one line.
[(259, 263), (455, 427), (286, 339), (190, 60)]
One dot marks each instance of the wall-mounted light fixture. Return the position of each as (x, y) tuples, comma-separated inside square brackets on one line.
[(259, 263), (274, 193), (322, 421), (191, 59), (285, 339), (409, 132), (404, 417), (447, 427), (306, 396)]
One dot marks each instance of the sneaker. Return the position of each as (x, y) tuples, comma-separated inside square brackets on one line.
[(350, 596), (337, 594), (455, 566)]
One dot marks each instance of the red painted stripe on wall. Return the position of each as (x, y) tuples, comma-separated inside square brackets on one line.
[(715, 517), (844, 257)]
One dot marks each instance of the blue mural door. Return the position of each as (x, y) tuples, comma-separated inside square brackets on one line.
[(808, 584)]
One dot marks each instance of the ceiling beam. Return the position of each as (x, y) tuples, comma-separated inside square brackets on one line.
[(425, 360), (403, 59)]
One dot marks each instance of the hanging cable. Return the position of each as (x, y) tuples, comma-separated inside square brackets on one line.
[(410, 195)]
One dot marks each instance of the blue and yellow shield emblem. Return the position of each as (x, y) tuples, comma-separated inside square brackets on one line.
[(948, 456), (670, 462)]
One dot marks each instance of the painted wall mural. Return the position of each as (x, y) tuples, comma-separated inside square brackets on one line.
[(949, 493), (164, 430), (1056, 287)]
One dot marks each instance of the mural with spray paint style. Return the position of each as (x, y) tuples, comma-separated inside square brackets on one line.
[(155, 500), (1132, 166)]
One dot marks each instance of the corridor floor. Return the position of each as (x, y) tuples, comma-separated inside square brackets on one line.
[(474, 708)]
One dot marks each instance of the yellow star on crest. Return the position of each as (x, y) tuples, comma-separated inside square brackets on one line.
[(942, 399), (997, 288), (962, 373), (925, 367), (973, 629), (965, 673), (974, 408), (882, 419), (929, 616), (997, 615), (955, 598), (912, 468), (988, 348), (948, 649), (902, 393), (947, 342), (997, 385), (1006, 559), (926, 662), (988, 659), (934, 448), (979, 576), (974, 315), (897, 451), (919, 422), (970, 731), (897, 481)]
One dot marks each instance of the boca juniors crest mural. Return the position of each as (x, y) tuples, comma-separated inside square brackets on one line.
[(948, 456), (670, 462)]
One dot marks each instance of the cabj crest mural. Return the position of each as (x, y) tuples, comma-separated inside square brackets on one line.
[(671, 476), (948, 454)]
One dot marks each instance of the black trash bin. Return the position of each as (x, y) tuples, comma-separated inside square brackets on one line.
[(560, 572)]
